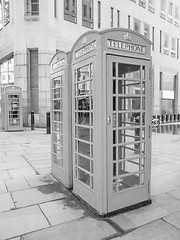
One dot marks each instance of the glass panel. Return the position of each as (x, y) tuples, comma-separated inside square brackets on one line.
[(128, 182), (84, 163), (114, 185), (129, 71), (83, 133), (129, 150), (128, 135), (84, 148), (83, 118), (129, 87), (114, 69), (114, 86), (129, 103), (128, 166), (83, 104), (83, 73), (84, 177), (57, 83), (83, 88), (129, 119)]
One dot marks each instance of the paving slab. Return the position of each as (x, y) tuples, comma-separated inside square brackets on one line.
[(3, 188), (21, 221), (13, 159), (17, 184), (158, 186), (4, 174), (139, 217), (40, 180), (82, 229), (175, 193), (38, 195), (167, 202), (13, 165), (22, 172), (157, 230), (62, 211), (174, 219), (6, 202)]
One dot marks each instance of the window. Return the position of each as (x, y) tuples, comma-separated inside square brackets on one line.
[(137, 25), (70, 11), (173, 47), (177, 48), (55, 8), (7, 72), (151, 6), (118, 18), (111, 17), (87, 13), (176, 16), (163, 9), (1, 17), (32, 7), (4, 13), (146, 30), (166, 44), (99, 14), (153, 38), (160, 40), (142, 3), (129, 21), (170, 12)]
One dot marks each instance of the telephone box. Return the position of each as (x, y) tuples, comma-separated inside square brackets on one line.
[(61, 146), (12, 114), (111, 119)]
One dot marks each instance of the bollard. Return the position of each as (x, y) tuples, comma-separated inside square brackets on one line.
[(48, 123), (32, 120), (170, 118), (162, 118)]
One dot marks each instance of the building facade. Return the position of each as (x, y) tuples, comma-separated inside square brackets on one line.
[(32, 31)]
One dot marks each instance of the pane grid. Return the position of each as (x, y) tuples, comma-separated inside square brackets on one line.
[(57, 120), (128, 105), (14, 110), (83, 91)]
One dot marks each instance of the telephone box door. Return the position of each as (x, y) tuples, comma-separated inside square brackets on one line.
[(128, 131)]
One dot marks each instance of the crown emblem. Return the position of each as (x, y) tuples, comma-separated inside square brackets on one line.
[(84, 40), (127, 37)]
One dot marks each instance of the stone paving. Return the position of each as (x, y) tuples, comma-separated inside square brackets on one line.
[(34, 206)]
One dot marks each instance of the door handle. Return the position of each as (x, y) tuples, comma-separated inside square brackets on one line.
[(108, 120)]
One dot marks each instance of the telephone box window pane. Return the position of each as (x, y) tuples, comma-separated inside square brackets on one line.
[(114, 185), (84, 177), (129, 71), (83, 133), (129, 166), (114, 69), (83, 104), (84, 163), (129, 87), (83, 88), (83, 118), (83, 73), (114, 169), (128, 182), (114, 86), (129, 103), (114, 153), (84, 148)]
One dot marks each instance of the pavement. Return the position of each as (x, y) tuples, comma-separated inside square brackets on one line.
[(34, 206)]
